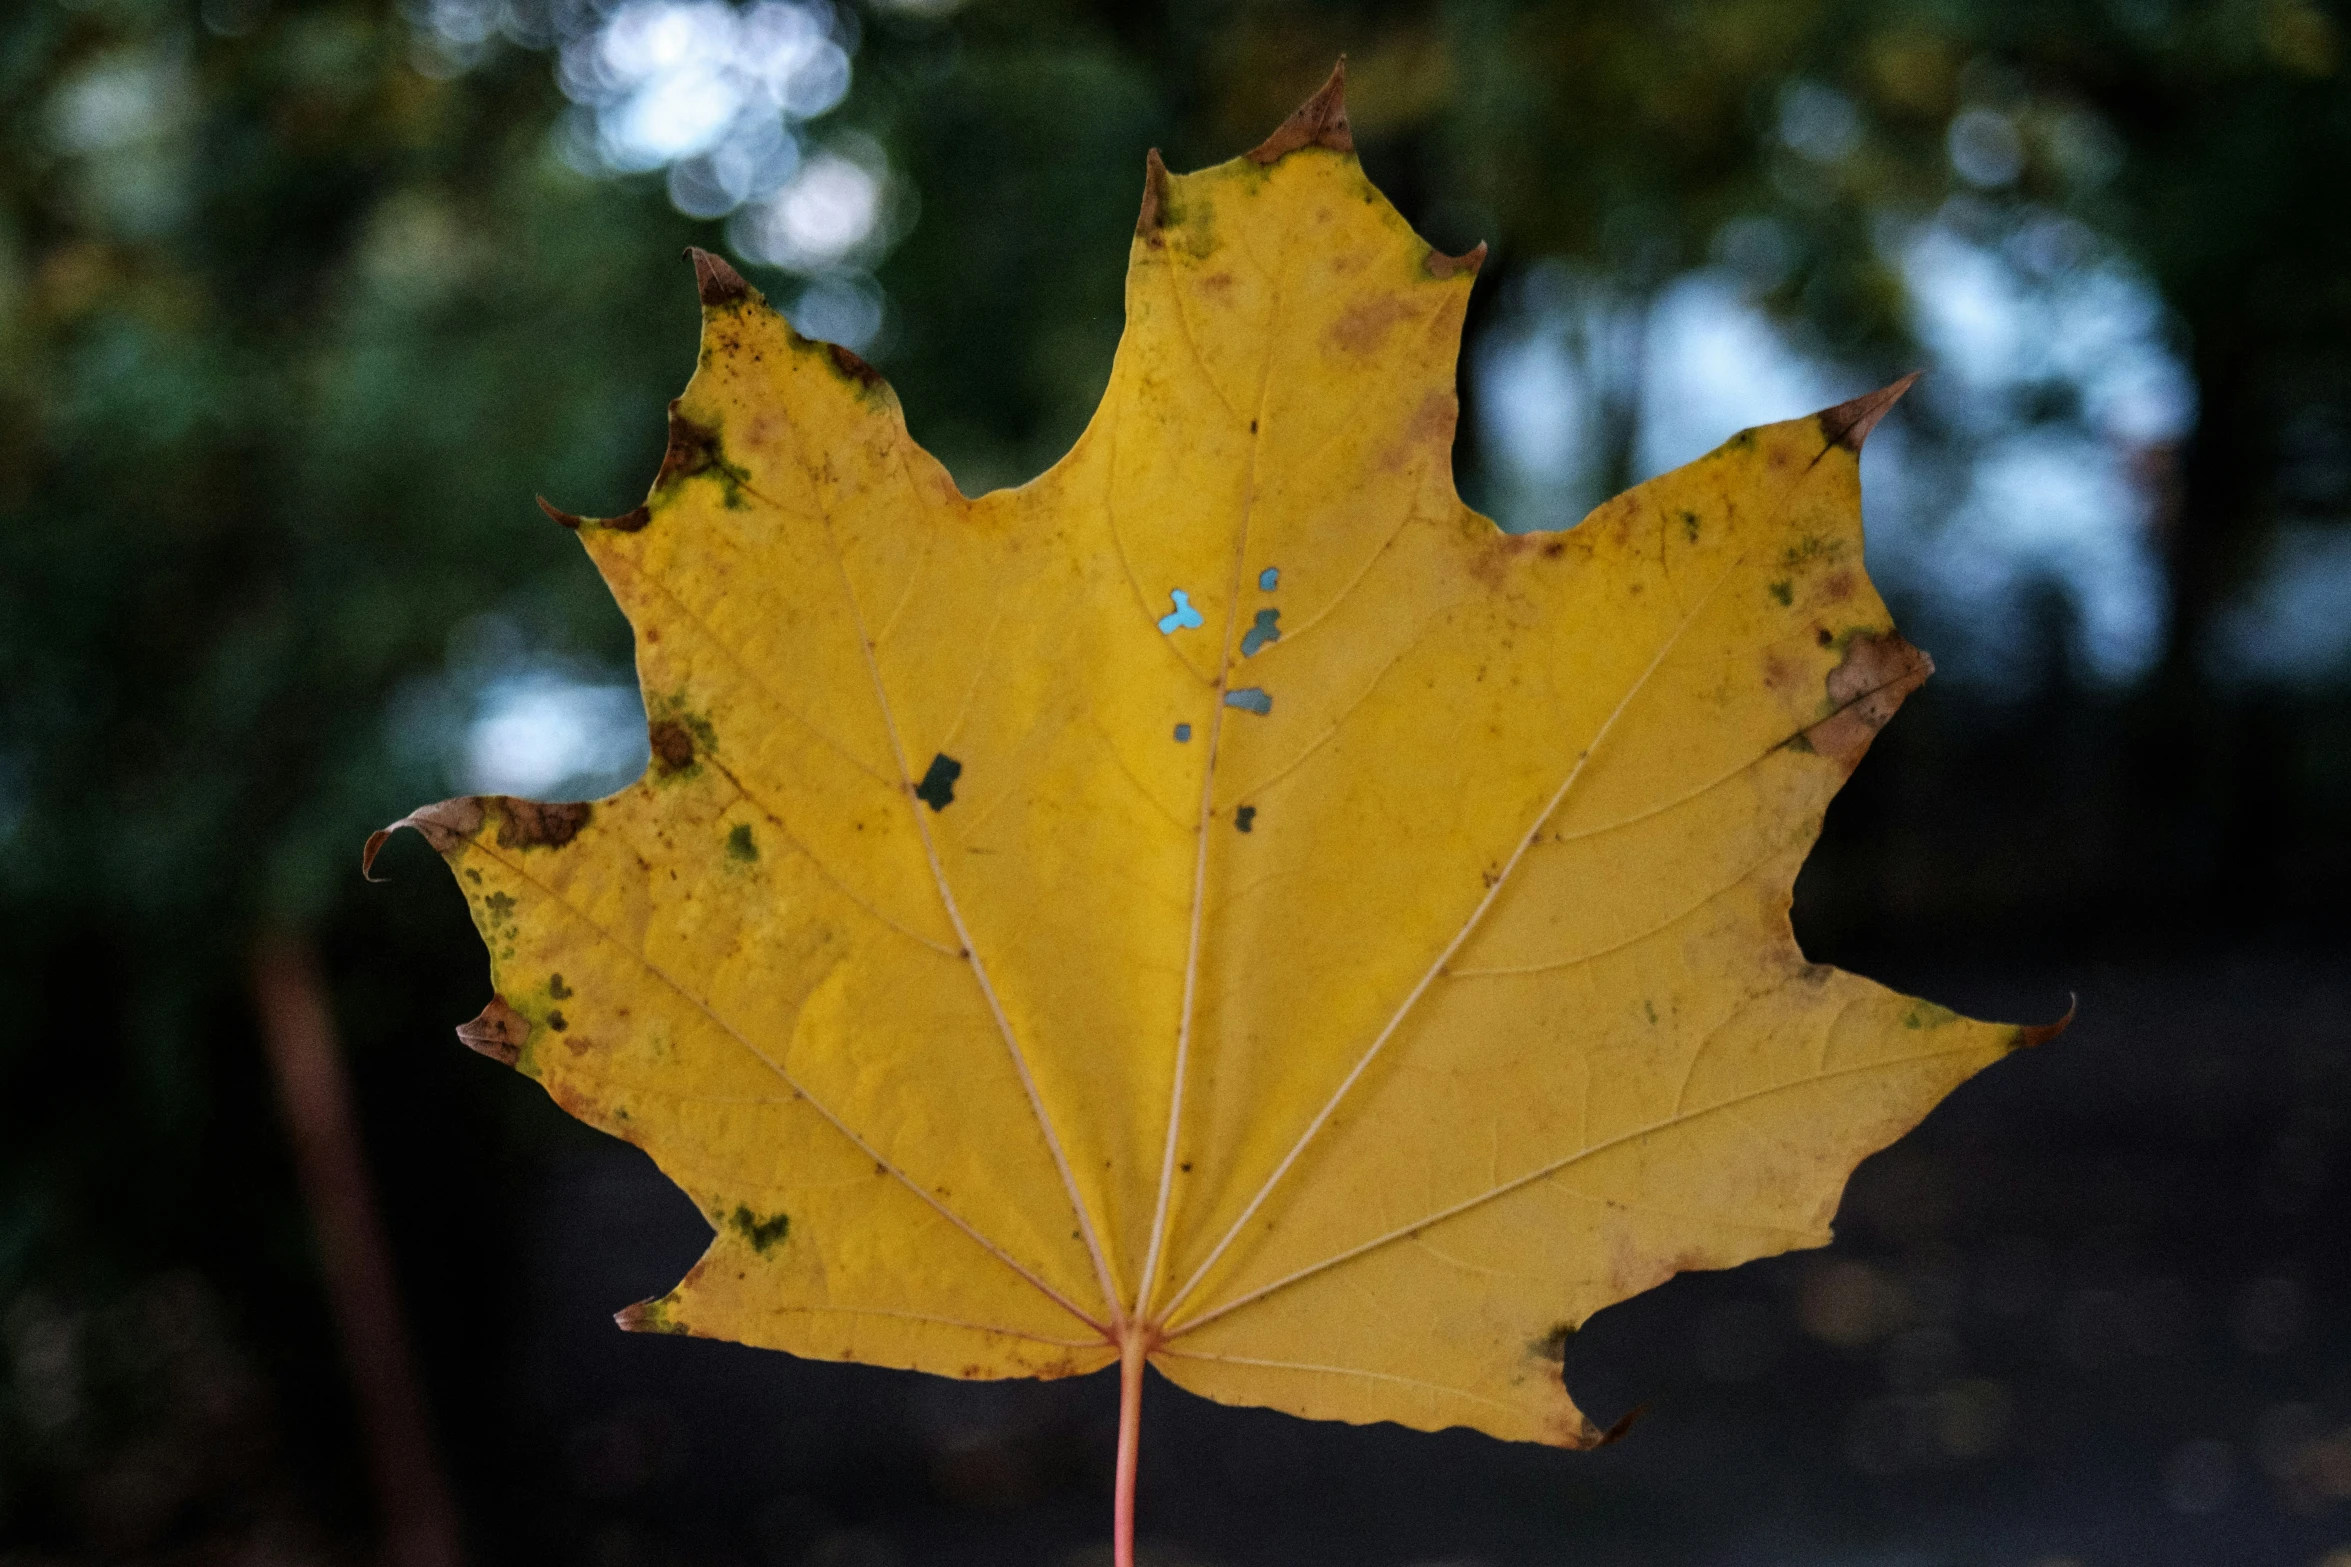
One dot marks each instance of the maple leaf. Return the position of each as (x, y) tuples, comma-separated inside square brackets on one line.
[(1223, 904)]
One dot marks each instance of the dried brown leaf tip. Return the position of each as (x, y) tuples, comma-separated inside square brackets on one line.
[(444, 826), (1849, 424), (626, 522), (646, 1316), (2041, 1033), (1624, 1424), (1441, 265), (1154, 195), (499, 1033), (555, 513), (1321, 121), (717, 282)]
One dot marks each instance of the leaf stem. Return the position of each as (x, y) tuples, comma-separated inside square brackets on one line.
[(1134, 1352)]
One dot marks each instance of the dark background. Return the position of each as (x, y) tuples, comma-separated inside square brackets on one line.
[(302, 300)]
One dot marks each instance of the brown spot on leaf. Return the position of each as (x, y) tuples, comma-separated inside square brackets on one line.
[(1865, 689), (444, 826), (1321, 121), (1361, 328), (1431, 429), (499, 1033), (1849, 423), (1552, 1346), (692, 449), (1491, 564), (1441, 265), (717, 283), (855, 369), (532, 824), (673, 746)]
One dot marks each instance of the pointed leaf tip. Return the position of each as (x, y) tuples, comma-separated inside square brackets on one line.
[(444, 826), (1321, 121), (1624, 1424), (2041, 1033), (1154, 195), (499, 1033), (646, 1316), (1441, 265), (627, 522), (717, 282), (1848, 424)]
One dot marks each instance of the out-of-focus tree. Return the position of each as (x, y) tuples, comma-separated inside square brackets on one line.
[(292, 329)]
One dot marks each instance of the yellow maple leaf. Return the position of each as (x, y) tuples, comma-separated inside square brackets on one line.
[(1223, 904)]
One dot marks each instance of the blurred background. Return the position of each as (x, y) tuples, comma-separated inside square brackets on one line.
[(301, 301)]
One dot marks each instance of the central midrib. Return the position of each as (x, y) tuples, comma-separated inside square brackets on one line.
[(1163, 1204)]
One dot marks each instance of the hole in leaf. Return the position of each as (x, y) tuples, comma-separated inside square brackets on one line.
[(1270, 578), (1261, 631), (1183, 617), (1183, 732), (1245, 818), (739, 844), (1250, 699), (937, 789)]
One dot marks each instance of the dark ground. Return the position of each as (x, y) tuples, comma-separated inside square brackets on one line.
[(2095, 1311)]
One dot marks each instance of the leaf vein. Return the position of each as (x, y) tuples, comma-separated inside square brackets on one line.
[(1726, 1106), (645, 961)]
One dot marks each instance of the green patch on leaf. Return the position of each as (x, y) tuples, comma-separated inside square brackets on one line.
[(763, 1231)]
